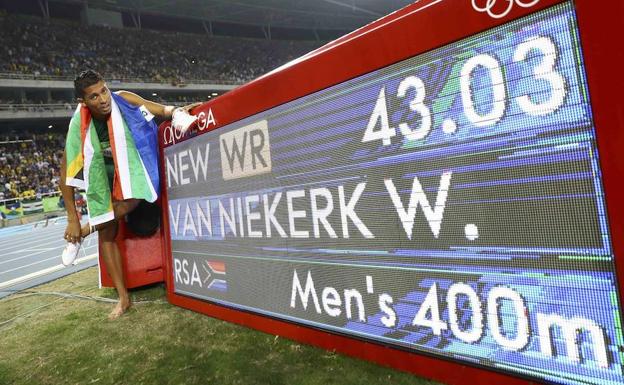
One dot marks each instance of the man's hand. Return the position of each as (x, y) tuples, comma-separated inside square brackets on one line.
[(72, 231), (189, 107)]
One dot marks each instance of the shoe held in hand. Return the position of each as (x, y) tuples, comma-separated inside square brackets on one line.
[(70, 252), (182, 120)]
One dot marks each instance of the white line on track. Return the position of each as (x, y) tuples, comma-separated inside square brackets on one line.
[(60, 245), (31, 254), (32, 249), (30, 239), (40, 250), (42, 261), (45, 271), (10, 237)]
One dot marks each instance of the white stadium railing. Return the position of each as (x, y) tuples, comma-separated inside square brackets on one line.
[(22, 76)]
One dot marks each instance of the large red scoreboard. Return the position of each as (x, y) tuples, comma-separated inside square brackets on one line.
[(437, 191)]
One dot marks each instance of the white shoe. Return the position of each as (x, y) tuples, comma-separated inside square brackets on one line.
[(70, 252), (182, 120)]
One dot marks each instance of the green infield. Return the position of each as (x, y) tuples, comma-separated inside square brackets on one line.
[(59, 333)]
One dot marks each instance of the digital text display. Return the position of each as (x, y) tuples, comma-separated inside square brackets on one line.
[(449, 204)]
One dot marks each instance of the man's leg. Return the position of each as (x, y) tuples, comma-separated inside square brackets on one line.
[(111, 255), (120, 208), (112, 260)]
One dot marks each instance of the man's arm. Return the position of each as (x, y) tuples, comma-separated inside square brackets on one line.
[(72, 232), (157, 109), (161, 111)]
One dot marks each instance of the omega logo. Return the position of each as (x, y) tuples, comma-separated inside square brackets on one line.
[(171, 135), (204, 120)]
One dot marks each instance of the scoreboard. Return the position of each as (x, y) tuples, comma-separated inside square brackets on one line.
[(438, 188)]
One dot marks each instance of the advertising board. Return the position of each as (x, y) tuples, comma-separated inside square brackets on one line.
[(450, 203)]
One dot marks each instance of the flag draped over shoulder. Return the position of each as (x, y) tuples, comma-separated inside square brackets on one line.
[(133, 140)]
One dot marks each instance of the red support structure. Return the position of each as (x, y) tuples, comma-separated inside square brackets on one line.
[(142, 259)]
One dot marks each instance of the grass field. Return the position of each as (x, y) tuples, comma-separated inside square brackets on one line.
[(46, 338)]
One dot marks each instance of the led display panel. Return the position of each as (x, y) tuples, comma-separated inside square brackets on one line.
[(449, 204)]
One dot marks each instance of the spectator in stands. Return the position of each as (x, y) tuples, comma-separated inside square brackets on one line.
[(106, 193)]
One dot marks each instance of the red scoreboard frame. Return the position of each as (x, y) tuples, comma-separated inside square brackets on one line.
[(416, 29)]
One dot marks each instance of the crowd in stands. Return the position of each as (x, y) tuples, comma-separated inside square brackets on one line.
[(29, 165), (30, 46)]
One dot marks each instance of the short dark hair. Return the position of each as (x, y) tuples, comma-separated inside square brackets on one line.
[(85, 79)]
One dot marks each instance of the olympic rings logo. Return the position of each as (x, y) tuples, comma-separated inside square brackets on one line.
[(489, 6)]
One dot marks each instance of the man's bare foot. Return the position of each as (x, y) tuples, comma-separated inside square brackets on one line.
[(119, 310)]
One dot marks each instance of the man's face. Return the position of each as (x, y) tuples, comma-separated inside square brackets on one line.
[(97, 98)]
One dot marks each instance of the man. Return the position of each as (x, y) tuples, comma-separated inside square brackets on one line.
[(111, 152)]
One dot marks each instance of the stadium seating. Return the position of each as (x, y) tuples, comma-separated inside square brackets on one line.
[(31, 47), (29, 165)]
